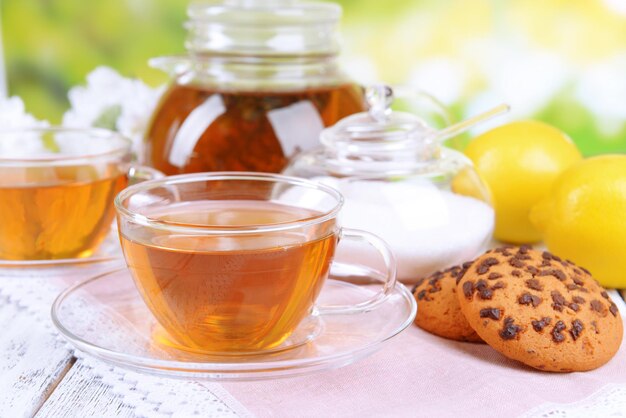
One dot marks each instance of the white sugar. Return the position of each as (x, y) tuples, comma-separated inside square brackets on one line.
[(427, 229)]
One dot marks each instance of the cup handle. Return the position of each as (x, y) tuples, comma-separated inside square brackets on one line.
[(139, 173), (389, 277)]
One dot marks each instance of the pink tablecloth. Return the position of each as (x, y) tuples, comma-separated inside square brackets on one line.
[(418, 374)]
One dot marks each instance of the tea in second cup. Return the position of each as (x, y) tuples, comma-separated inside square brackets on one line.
[(57, 187)]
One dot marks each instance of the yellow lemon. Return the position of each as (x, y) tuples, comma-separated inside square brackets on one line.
[(519, 161), (584, 217)]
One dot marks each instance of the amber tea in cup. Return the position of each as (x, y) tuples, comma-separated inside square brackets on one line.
[(229, 262), (57, 187)]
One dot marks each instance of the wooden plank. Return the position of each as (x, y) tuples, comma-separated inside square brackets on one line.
[(82, 394), (33, 362)]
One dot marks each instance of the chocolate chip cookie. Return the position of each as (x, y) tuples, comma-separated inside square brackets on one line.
[(438, 310), (537, 308)]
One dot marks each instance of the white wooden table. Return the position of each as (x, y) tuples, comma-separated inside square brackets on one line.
[(39, 374)]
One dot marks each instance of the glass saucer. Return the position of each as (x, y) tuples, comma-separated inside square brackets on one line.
[(105, 317), (109, 250)]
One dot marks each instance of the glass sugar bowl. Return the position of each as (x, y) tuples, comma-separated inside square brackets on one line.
[(259, 83), (400, 183)]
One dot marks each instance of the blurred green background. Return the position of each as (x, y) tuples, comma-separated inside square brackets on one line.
[(561, 61)]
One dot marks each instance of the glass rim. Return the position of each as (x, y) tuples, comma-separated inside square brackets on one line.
[(124, 147), (225, 176)]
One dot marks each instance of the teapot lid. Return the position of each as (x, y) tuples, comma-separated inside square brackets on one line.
[(262, 27), (381, 132)]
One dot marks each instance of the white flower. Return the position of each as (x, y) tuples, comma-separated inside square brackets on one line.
[(13, 116), (113, 102)]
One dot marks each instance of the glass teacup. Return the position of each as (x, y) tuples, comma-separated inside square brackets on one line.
[(234, 262), (57, 187)]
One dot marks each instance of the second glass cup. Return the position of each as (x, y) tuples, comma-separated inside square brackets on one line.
[(57, 187), (234, 262)]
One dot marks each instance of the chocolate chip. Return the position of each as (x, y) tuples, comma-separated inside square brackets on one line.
[(498, 285), (532, 270), (539, 325), (556, 257), (597, 306), (558, 300), (435, 283), (613, 309), (546, 255), (421, 295), (510, 331), (482, 269), (572, 286), (578, 281), (578, 300), (578, 272), (491, 261), (494, 276), (467, 264), (557, 297), (577, 329), (486, 264), (516, 273), (534, 284), (557, 335), (604, 294), (524, 249), (553, 272), (460, 275), (545, 263), (529, 299), (514, 262), (585, 270), (486, 294), (435, 277), (522, 257), (574, 307), (492, 313), (468, 290)]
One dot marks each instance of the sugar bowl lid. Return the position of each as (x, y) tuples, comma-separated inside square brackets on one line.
[(382, 141), (382, 132)]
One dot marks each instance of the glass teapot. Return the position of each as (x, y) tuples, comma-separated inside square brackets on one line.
[(400, 183), (258, 85)]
